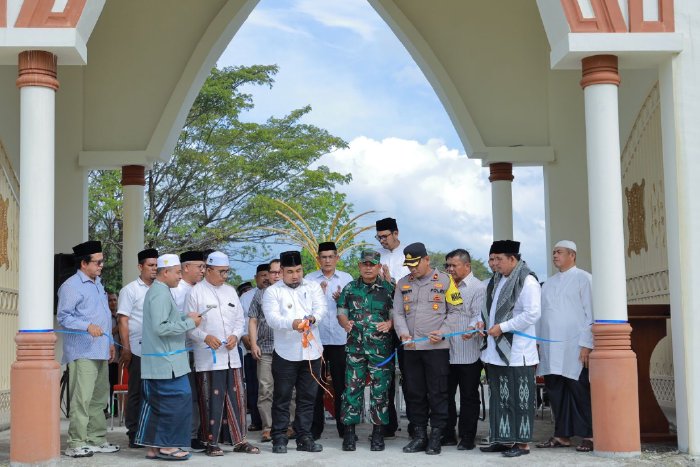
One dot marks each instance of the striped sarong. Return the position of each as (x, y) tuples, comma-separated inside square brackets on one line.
[(163, 423)]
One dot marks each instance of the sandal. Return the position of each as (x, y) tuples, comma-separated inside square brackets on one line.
[(585, 446), (552, 443), (246, 447), (173, 456), (213, 451)]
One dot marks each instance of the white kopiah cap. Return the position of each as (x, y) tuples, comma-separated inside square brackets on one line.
[(217, 258), (566, 244), (166, 261)]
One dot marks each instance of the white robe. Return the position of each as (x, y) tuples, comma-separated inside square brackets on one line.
[(224, 319), (567, 315)]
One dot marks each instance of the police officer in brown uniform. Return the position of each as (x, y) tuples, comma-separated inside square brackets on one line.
[(426, 306)]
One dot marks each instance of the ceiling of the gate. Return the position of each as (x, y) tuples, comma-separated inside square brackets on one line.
[(496, 55)]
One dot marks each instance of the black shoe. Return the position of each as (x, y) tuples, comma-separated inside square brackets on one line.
[(465, 445), (377, 439), (434, 442), (308, 444), (449, 439), (516, 451), (254, 428), (197, 446), (132, 443), (279, 448), (419, 441), (496, 447), (349, 441)]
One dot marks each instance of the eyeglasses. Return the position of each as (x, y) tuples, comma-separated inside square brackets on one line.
[(98, 262), (382, 237), (222, 272), (276, 273)]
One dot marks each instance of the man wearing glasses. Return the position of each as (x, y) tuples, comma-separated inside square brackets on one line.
[(393, 269), (262, 344), (391, 254), (217, 361), (192, 274), (465, 353), (82, 306), (332, 335), (130, 321)]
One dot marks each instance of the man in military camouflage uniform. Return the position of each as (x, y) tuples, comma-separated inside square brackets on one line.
[(364, 310), (427, 304)]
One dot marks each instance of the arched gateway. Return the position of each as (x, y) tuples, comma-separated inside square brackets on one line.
[(560, 83)]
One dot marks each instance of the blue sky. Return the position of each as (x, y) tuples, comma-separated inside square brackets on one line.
[(405, 156)]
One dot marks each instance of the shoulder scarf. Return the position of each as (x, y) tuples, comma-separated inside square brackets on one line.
[(504, 307)]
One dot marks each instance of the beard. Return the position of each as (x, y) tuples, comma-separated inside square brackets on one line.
[(293, 285)]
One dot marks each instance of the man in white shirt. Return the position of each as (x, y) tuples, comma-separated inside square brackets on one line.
[(511, 311), (217, 361), (465, 353), (293, 307), (567, 317), (192, 273), (333, 336), (130, 321), (393, 269)]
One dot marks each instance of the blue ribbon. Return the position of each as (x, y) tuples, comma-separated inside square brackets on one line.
[(69, 331), (610, 321)]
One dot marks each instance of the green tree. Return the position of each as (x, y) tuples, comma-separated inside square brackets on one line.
[(217, 189)]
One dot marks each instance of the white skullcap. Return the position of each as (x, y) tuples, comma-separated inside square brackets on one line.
[(166, 261), (566, 244), (217, 258)]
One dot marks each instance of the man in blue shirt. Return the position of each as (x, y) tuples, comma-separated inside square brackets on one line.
[(83, 309)]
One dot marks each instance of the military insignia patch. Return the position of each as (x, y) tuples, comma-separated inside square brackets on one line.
[(435, 306), (405, 287), (406, 298), (436, 298), (435, 276), (407, 308), (438, 285)]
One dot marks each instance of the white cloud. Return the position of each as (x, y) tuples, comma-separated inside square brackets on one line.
[(342, 14), (274, 19), (437, 194)]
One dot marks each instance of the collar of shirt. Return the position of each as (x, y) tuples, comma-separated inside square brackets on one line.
[(84, 278), (425, 279), (157, 282), (320, 275), (465, 282), (140, 282)]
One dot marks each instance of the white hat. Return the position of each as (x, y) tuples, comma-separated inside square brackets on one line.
[(166, 261), (217, 258), (566, 244)]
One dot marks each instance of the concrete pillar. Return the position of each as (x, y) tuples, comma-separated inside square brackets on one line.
[(613, 365), (501, 178), (133, 183), (35, 376)]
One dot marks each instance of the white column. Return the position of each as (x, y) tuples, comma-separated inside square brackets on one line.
[(36, 216), (35, 375), (605, 197), (615, 406), (501, 178), (133, 182)]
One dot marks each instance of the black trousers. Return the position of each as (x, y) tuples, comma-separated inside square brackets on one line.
[(250, 369), (289, 375), (467, 377), (426, 380), (133, 401), (334, 356), (113, 379), (571, 403), (195, 432)]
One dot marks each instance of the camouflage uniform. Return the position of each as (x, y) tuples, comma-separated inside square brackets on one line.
[(367, 306)]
